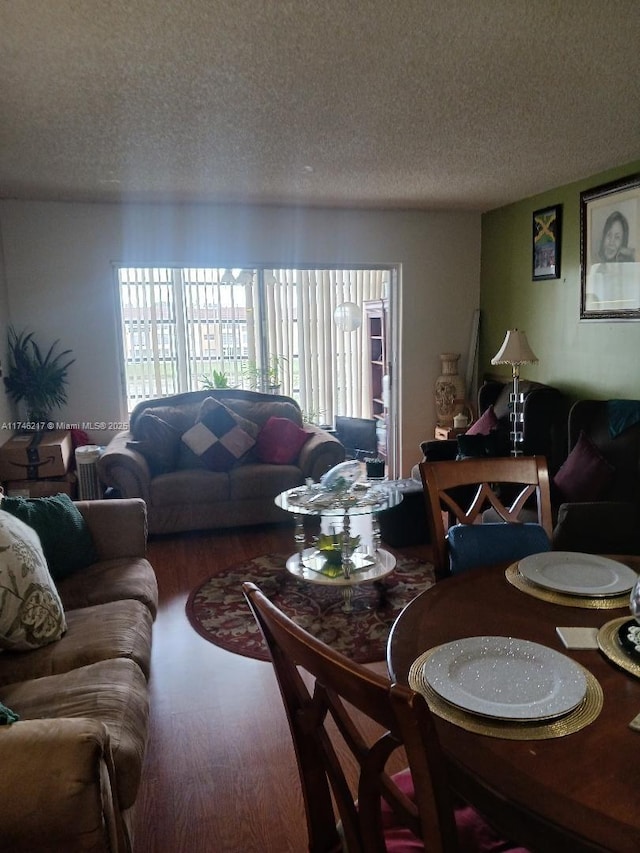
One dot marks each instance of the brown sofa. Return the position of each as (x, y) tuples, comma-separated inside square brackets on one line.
[(71, 765), (181, 493), (599, 509)]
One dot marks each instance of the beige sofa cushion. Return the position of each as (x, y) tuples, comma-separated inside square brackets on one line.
[(187, 487), (260, 412), (118, 579), (261, 480), (113, 692), (119, 629)]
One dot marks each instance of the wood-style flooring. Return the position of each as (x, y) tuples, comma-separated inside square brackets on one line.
[(220, 773)]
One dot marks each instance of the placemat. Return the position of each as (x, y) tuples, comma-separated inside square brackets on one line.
[(586, 712), (610, 647), (614, 602)]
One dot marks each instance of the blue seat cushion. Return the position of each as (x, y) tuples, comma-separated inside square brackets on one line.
[(472, 545)]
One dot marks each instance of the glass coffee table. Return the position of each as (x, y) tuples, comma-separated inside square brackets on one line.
[(355, 566)]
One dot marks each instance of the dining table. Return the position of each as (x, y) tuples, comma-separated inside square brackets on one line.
[(564, 786)]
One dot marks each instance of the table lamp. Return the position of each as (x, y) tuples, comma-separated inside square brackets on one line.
[(515, 350)]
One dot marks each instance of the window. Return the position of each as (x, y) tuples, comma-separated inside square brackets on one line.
[(268, 329)]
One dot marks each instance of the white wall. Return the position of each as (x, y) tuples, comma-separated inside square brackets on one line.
[(59, 281)]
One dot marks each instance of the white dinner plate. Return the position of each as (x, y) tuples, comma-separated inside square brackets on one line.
[(506, 678), (577, 574)]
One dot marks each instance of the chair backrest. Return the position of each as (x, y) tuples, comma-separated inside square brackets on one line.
[(330, 718), (523, 478), (358, 435)]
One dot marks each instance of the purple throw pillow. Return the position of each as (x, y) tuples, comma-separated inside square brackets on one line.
[(485, 423), (585, 474)]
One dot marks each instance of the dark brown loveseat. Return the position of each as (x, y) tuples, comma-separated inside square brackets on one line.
[(599, 509), (152, 461)]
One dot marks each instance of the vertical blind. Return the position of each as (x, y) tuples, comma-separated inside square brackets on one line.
[(270, 329)]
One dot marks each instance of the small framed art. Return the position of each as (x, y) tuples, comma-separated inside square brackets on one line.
[(610, 251), (547, 224)]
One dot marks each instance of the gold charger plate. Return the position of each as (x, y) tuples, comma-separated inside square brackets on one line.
[(586, 712), (610, 647), (518, 580)]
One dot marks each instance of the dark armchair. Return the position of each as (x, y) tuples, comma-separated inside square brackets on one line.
[(598, 488), (544, 427)]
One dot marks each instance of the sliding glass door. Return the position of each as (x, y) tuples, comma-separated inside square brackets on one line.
[(301, 332)]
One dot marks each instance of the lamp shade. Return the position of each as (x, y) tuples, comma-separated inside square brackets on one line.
[(348, 316), (515, 349)]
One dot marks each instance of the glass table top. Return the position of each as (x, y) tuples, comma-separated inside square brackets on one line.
[(364, 496)]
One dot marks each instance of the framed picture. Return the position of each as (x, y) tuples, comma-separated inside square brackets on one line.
[(610, 251), (546, 243)]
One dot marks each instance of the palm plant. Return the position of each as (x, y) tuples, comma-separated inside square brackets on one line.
[(40, 380)]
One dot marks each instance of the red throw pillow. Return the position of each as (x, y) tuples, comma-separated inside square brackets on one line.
[(485, 423), (585, 473), (280, 441)]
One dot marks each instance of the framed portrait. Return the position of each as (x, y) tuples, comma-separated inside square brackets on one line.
[(610, 251), (546, 238)]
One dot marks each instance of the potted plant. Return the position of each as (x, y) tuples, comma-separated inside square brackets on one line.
[(218, 379), (38, 380), (266, 378)]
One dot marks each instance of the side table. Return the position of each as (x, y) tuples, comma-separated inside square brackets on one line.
[(443, 433)]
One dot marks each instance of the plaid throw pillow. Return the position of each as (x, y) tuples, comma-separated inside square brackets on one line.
[(219, 437)]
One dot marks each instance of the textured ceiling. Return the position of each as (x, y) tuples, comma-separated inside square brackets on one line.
[(359, 103)]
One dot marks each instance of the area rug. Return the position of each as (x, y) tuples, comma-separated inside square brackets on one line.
[(219, 612)]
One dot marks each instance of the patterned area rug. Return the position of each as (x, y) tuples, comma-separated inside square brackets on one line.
[(219, 612)]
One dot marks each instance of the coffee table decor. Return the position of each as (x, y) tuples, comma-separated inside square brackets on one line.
[(218, 611)]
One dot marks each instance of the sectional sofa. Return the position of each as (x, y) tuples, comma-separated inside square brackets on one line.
[(72, 762)]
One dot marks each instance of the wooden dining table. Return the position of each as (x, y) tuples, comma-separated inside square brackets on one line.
[(578, 792)]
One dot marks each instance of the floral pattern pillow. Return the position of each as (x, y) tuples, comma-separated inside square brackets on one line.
[(31, 613)]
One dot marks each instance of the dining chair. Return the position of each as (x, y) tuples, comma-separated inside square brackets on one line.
[(345, 721), (512, 490)]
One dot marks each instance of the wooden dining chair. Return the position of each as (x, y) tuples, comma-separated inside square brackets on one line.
[(515, 489), (347, 721)]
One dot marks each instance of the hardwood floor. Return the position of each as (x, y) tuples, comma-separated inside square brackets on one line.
[(220, 773)]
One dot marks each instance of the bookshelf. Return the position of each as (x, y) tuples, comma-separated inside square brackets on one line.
[(376, 319)]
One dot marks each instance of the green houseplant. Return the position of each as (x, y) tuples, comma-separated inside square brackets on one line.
[(266, 378), (218, 379), (38, 379)]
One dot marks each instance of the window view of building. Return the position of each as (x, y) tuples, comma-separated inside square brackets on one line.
[(185, 329)]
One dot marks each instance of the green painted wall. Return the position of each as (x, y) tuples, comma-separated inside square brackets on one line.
[(584, 358)]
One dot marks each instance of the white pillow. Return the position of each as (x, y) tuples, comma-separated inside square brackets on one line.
[(31, 613)]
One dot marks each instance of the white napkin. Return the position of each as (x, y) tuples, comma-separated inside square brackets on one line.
[(578, 638)]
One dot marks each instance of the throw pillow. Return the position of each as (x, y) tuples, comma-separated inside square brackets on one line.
[(31, 613), (280, 441), (485, 423), (63, 532), (158, 441), (220, 437), (495, 443), (7, 716), (585, 474), (472, 545)]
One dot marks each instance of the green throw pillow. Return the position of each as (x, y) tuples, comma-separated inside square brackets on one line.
[(7, 716), (64, 535)]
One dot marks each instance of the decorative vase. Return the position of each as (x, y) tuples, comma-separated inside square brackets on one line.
[(449, 390)]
